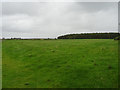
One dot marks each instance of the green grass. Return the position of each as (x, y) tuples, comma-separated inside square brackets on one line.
[(79, 63), (0, 64)]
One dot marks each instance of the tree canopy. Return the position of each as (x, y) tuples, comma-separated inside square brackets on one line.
[(90, 36)]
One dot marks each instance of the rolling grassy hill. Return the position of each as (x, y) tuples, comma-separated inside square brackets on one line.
[(86, 63)]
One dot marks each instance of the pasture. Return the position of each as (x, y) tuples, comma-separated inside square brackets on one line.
[(75, 63)]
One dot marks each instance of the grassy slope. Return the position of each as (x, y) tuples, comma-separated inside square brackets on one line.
[(60, 63), (0, 64)]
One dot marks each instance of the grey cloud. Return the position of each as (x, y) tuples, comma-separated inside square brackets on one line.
[(34, 8), (96, 6), (53, 19), (0, 20), (20, 8)]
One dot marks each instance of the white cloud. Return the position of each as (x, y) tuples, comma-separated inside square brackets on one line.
[(60, 0), (0, 20), (53, 19), (17, 23)]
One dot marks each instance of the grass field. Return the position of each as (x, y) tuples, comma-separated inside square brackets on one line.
[(82, 63)]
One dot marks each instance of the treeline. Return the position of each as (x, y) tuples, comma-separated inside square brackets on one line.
[(90, 36), (28, 38)]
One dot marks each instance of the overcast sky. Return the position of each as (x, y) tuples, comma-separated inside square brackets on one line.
[(51, 19)]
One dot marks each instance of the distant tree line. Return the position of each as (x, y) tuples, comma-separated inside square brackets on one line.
[(90, 36), (29, 38)]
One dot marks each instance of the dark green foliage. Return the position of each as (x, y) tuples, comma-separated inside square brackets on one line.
[(90, 36), (117, 38)]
